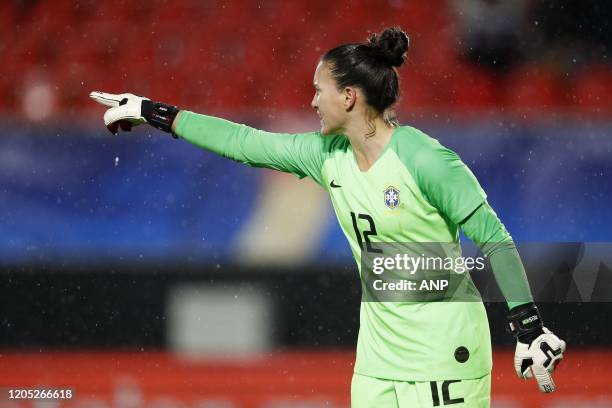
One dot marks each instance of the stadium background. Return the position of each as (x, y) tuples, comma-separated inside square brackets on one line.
[(141, 271)]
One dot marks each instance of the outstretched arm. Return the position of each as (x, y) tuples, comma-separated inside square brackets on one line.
[(299, 154)]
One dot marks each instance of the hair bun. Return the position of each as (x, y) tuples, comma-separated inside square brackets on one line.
[(390, 47)]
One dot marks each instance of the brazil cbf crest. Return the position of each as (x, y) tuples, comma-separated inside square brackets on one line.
[(392, 197)]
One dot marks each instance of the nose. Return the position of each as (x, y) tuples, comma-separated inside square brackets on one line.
[(313, 103)]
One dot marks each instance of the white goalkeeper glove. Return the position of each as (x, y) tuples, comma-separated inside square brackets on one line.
[(539, 359), (538, 350), (128, 110)]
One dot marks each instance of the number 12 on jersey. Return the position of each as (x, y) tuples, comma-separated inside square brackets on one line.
[(366, 234)]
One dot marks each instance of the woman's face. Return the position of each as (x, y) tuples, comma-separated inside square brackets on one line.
[(328, 101)]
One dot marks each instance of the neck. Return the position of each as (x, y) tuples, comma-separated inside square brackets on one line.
[(367, 145)]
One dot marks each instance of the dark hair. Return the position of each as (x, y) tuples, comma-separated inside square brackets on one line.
[(371, 66)]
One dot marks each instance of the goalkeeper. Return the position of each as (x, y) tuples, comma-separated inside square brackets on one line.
[(387, 183)]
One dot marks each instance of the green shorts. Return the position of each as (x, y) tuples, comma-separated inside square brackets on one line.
[(370, 392)]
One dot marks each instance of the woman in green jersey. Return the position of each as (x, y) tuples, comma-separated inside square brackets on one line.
[(388, 184)]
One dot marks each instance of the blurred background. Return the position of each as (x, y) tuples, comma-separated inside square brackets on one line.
[(141, 271)]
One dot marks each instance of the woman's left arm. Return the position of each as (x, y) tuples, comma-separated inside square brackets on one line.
[(485, 229)]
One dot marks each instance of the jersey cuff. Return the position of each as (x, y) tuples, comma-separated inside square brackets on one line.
[(183, 117)]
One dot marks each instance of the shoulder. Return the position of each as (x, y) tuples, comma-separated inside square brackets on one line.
[(440, 174), (420, 152)]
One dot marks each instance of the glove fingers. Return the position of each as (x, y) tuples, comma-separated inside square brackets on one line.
[(522, 361), (112, 115), (125, 111), (113, 127), (552, 353), (544, 379), (106, 99), (125, 125), (522, 367), (554, 365)]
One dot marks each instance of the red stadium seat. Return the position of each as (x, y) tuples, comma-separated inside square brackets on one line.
[(532, 86), (417, 91), (473, 88), (131, 11), (10, 84), (236, 55), (76, 81), (592, 89), (8, 16)]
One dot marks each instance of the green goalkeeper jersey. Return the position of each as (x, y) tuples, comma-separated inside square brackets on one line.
[(417, 191)]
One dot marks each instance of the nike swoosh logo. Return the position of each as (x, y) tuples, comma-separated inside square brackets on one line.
[(334, 185)]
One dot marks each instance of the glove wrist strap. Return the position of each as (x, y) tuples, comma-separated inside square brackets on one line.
[(525, 323), (159, 115)]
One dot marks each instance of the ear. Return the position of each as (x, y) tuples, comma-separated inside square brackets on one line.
[(350, 98)]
